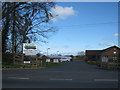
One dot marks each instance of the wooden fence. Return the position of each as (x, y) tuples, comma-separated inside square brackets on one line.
[(18, 59), (111, 64)]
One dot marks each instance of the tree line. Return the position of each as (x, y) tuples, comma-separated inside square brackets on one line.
[(25, 22)]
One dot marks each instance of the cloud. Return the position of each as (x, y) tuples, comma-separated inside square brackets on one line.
[(60, 12), (106, 44), (105, 39), (116, 35)]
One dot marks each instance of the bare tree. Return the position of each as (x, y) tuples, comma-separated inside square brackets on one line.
[(25, 22)]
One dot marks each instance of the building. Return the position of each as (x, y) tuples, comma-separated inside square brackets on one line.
[(105, 55), (92, 54), (57, 59), (110, 54)]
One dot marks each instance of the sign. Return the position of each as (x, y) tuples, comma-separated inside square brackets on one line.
[(30, 49), (26, 62)]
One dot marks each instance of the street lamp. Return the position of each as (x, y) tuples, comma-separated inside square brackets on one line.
[(57, 52), (47, 50), (115, 58)]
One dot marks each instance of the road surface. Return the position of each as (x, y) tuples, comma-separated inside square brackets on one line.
[(75, 74)]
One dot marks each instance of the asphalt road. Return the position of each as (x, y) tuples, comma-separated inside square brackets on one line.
[(75, 74)]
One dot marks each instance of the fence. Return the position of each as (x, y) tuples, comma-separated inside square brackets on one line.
[(9, 58), (19, 59), (111, 64), (34, 61)]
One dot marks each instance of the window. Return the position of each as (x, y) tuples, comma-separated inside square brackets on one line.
[(114, 58), (114, 48)]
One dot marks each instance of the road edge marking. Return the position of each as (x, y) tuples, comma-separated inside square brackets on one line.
[(61, 79), (17, 78), (106, 80)]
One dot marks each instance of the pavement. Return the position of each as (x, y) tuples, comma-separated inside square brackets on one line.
[(75, 74)]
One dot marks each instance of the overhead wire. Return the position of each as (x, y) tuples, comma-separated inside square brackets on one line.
[(89, 24)]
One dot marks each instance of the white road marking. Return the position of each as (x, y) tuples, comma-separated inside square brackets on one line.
[(106, 80), (60, 79), (17, 78), (68, 72)]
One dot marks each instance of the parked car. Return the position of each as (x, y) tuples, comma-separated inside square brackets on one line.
[(65, 59)]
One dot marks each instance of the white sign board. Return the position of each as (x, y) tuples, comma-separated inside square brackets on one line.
[(26, 62), (30, 49)]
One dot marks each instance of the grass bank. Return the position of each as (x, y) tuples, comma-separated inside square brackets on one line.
[(18, 66), (53, 64), (48, 65)]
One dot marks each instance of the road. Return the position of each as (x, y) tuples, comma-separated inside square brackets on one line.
[(75, 74)]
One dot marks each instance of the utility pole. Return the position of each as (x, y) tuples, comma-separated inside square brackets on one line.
[(47, 50), (57, 52)]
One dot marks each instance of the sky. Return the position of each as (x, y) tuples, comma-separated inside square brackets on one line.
[(82, 26)]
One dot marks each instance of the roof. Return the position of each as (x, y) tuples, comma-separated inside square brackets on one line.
[(97, 52), (111, 47), (93, 52), (56, 57)]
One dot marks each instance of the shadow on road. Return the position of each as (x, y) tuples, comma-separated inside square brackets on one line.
[(75, 74)]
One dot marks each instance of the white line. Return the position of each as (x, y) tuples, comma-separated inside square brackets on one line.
[(67, 72), (17, 78), (106, 80), (59, 79)]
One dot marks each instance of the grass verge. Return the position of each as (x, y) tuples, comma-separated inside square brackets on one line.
[(18, 66), (48, 65), (53, 64), (93, 62)]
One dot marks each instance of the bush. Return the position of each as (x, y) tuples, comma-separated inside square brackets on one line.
[(80, 57), (96, 62)]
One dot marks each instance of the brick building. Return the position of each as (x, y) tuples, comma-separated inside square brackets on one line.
[(92, 54), (110, 54), (105, 55)]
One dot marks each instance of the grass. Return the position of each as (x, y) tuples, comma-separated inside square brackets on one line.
[(10, 66), (53, 64), (78, 58), (32, 66), (18, 66), (0, 65), (92, 62)]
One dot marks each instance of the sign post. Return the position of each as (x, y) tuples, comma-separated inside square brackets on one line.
[(29, 49)]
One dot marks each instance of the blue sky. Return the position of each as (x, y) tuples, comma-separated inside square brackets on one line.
[(83, 26)]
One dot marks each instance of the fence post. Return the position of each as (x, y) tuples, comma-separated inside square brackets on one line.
[(13, 58), (22, 59), (41, 63), (36, 62)]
